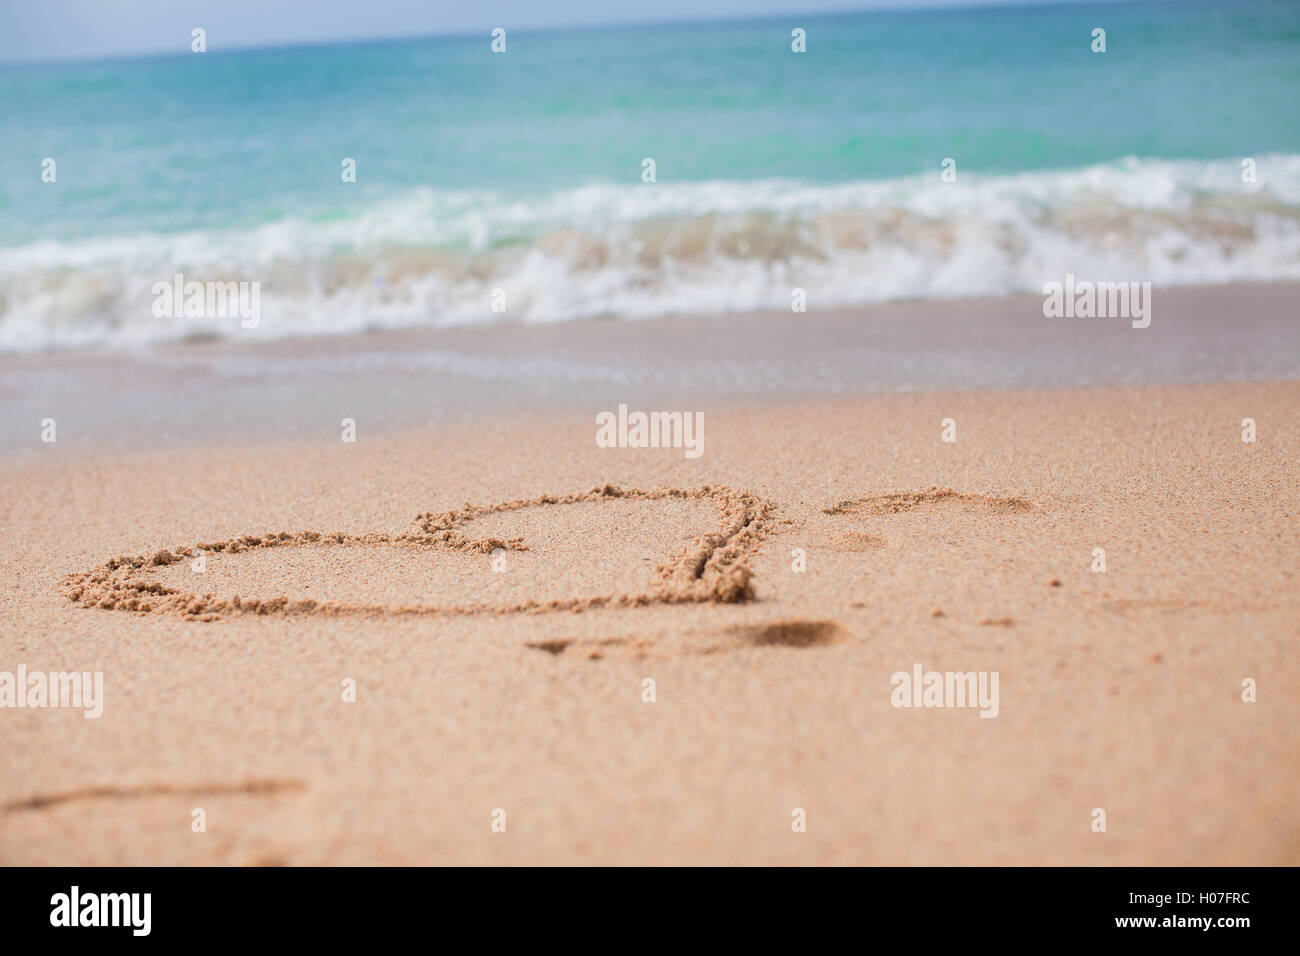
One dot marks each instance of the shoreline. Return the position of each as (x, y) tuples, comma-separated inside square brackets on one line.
[(290, 390), (910, 308)]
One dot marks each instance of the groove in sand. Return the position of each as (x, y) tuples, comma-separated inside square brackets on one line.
[(930, 498), (713, 568), (259, 788)]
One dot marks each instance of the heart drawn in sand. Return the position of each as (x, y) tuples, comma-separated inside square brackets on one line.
[(714, 567)]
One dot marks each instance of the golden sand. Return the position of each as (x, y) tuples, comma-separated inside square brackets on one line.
[(1119, 689)]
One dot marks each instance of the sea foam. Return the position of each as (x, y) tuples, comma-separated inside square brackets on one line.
[(432, 258)]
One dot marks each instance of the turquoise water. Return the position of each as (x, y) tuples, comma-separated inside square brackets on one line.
[(522, 171)]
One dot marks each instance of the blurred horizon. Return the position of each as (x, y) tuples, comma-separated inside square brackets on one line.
[(28, 32)]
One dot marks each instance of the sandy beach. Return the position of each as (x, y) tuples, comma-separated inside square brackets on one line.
[(499, 588)]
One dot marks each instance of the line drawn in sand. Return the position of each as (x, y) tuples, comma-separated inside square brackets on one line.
[(931, 498), (257, 788), (714, 568)]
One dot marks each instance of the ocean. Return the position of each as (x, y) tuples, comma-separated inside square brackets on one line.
[(508, 187)]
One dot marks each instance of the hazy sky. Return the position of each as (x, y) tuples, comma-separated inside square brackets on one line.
[(56, 29)]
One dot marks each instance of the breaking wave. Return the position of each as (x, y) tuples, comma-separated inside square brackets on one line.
[(435, 258)]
